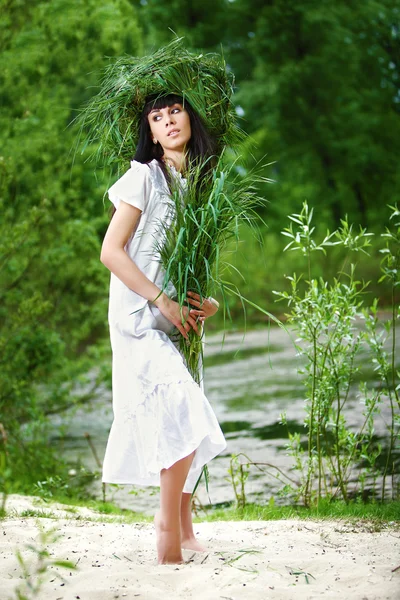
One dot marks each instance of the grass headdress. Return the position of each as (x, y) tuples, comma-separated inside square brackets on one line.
[(111, 118)]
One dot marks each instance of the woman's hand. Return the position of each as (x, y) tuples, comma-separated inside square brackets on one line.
[(171, 310), (204, 308)]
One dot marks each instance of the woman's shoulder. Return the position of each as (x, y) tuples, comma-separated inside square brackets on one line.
[(137, 174), (149, 169), (139, 168), (133, 187), (156, 175), (143, 175)]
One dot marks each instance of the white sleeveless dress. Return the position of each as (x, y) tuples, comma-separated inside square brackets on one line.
[(161, 414)]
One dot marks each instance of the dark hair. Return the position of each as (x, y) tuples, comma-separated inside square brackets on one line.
[(201, 145)]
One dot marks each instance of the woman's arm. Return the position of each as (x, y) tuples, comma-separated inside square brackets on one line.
[(114, 257)]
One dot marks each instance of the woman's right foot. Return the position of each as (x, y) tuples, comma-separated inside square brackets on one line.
[(190, 543), (168, 544)]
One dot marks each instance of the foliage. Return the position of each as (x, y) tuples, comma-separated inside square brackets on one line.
[(4, 470), (317, 89), (238, 473), (330, 340), (35, 572), (239, 470), (384, 361), (53, 289)]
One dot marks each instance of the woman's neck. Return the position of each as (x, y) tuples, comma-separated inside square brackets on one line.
[(175, 159)]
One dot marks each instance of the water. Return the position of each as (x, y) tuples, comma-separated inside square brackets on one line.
[(250, 382)]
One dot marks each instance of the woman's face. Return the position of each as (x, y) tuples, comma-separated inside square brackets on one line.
[(170, 126)]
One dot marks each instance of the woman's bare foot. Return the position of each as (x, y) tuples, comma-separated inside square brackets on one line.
[(190, 543), (168, 544)]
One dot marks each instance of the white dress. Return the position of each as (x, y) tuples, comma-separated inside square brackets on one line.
[(161, 414)]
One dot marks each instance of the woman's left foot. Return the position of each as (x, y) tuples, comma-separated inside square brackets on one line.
[(168, 544)]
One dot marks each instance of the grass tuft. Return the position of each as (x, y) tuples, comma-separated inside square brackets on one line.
[(374, 514)]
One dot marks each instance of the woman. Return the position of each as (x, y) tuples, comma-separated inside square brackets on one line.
[(164, 429), (168, 109)]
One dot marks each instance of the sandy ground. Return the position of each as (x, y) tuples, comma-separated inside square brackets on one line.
[(246, 560)]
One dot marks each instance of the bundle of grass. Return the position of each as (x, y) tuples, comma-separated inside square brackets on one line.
[(110, 121), (208, 213)]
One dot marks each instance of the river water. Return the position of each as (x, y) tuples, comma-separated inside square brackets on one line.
[(250, 381)]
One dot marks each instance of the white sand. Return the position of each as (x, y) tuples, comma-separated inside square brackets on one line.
[(117, 560)]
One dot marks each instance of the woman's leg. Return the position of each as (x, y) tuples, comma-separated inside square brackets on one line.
[(168, 520), (188, 539)]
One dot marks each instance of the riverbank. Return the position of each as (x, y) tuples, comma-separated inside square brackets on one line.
[(252, 560), (251, 380)]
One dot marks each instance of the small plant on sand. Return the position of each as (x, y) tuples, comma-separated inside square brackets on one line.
[(381, 339), (5, 471), (36, 570), (326, 318), (238, 473), (239, 470)]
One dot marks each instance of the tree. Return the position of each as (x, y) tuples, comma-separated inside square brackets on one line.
[(53, 289), (318, 83)]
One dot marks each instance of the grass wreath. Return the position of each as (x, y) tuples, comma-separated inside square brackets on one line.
[(111, 118)]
